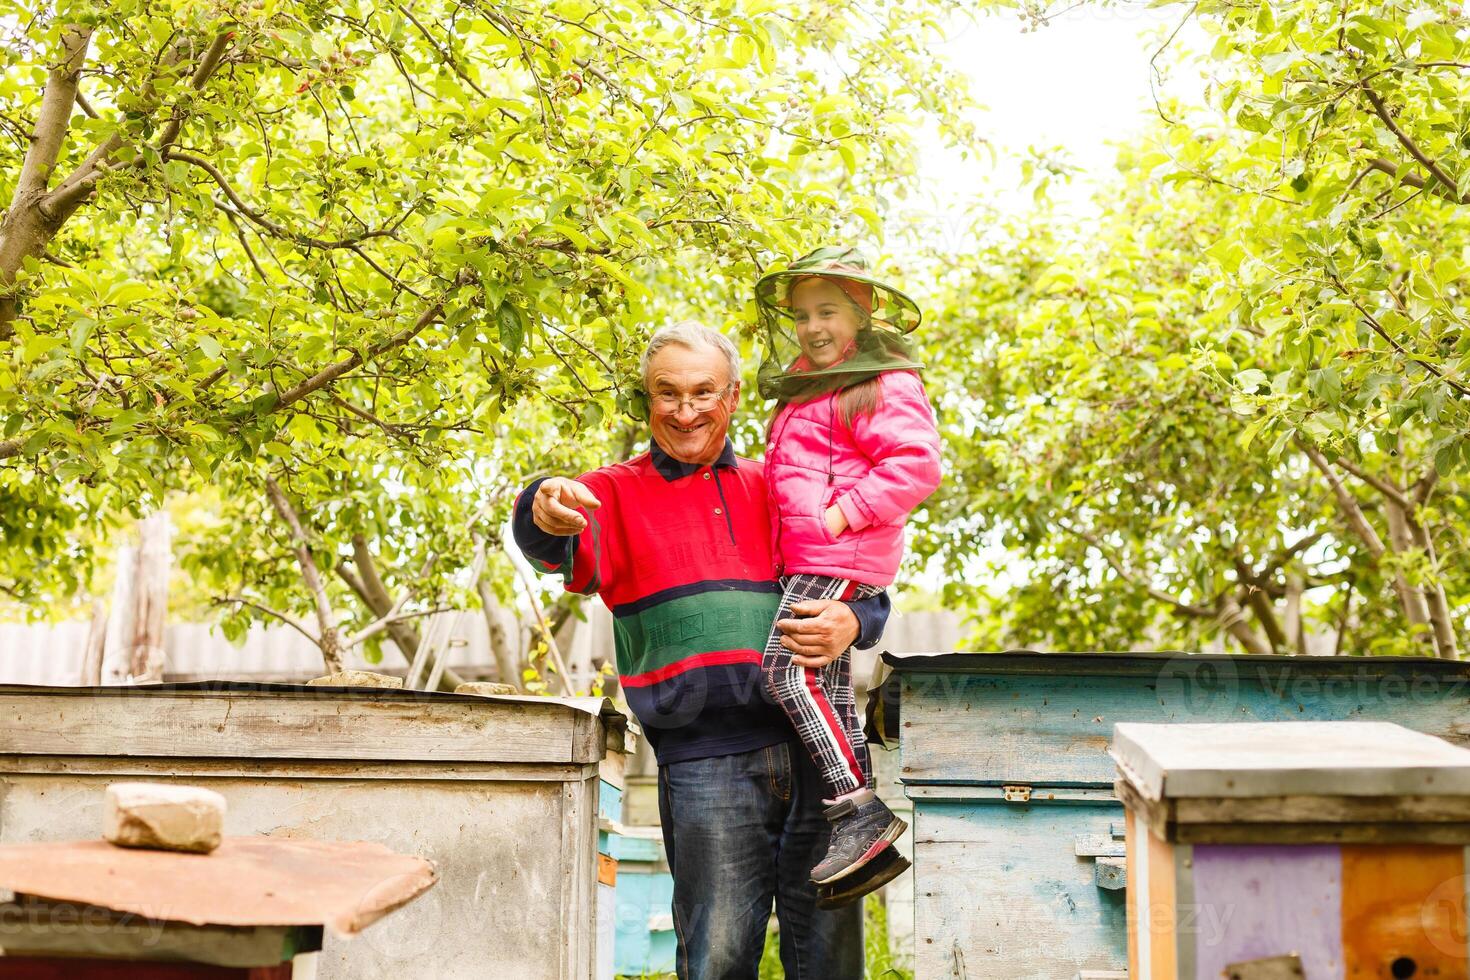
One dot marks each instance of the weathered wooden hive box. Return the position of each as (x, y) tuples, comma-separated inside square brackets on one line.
[(1018, 835), (1323, 849), (501, 793)]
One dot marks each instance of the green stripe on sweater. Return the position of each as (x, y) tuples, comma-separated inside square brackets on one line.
[(705, 623)]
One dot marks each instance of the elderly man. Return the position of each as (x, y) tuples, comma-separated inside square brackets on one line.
[(677, 542)]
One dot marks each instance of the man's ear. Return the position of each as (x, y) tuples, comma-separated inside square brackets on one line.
[(735, 396)]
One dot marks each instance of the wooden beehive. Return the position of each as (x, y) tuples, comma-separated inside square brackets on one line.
[(501, 793), (1330, 850), (1018, 832)]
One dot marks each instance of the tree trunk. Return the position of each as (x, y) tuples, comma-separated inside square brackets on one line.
[(1416, 606), (1232, 619), (369, 587), (150, 597), (96, 643), (1262, 606), (133, 650), (1440, 616), (116, 653), (507, 663), (27, 228), (1412, 602), (1292, 621), (331, 647)]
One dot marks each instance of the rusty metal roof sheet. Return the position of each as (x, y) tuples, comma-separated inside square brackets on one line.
[(247, 881)]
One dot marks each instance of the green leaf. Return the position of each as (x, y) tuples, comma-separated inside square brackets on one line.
[(512, 325), (125, 293), (1250, 379)]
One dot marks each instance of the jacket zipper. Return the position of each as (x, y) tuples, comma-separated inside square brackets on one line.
[(776, 548)]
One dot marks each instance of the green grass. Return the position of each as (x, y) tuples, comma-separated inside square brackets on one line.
[(879, 958)]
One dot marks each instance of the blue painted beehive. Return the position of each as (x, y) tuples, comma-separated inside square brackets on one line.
[(1017, 833), (644, 920)]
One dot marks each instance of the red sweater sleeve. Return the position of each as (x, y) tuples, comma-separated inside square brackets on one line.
[(583, 560)]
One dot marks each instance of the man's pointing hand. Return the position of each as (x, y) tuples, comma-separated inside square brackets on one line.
[(553, 506)]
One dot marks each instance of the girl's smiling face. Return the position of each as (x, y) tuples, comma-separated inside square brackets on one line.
[(827, 320)]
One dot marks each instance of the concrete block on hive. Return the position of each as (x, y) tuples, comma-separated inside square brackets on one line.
[(485, 688), (163, 816), (356, 678)]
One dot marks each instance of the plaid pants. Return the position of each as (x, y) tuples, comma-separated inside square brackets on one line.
[(820, 701)]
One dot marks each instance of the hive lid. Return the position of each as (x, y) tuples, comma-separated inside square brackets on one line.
[(248, 881), (1297, 758)]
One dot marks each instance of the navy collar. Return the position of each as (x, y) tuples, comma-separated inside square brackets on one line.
[(672, 469)]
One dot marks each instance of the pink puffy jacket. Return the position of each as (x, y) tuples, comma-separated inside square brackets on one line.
[(877, 470)]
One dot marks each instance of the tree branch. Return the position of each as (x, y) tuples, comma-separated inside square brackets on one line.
[(1232, 620), (386, 622), (444, 55), (301, 545), (25, 227), (279, 230), (290, 621), (207, 66), (1411, 600), (1127, 576), (81, 180), (1441, 616), (390, 430), (1412, 180), (1379, 329), (332, 372), (368, 568), (1388, 488), (1261, 605), (1286, 555), (1356, 519), (369, 587), (1426, 161), (1425, 485)]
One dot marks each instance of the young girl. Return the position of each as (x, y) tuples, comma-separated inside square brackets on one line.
[(851, 450)]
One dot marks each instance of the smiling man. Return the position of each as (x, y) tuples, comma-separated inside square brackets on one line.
[(677, 542)]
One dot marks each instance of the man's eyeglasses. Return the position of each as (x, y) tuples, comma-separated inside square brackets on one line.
[(667, 401)]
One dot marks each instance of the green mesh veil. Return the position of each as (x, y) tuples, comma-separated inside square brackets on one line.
[(787, 372)]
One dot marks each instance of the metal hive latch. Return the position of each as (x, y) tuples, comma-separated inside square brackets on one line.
[(1016, 793)]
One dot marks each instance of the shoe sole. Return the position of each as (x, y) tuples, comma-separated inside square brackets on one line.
[(899, 865), (893, 832)]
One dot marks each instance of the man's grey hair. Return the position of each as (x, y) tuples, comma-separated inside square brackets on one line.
[(693, 335)]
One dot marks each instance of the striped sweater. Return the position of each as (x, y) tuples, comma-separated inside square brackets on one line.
[(681, 555)]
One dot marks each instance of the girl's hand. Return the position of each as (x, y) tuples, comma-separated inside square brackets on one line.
[(836, 520)]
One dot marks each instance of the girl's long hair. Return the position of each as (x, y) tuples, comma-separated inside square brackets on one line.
[(858, 400)]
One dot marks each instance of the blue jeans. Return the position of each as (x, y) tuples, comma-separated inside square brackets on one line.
[(739, 831)]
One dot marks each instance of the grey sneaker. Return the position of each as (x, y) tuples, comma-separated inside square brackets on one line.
[(862, 828), (887, 865)]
